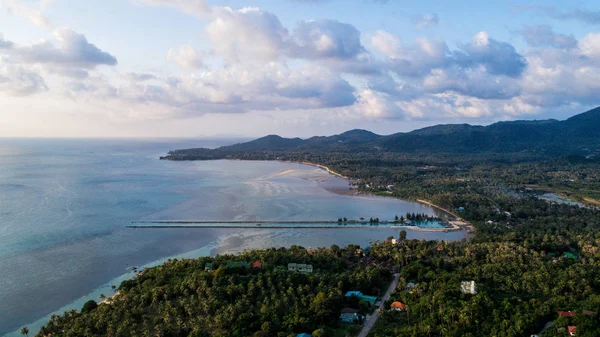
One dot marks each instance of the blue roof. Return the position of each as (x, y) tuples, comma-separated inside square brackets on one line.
[(303, 335), (354, 293)]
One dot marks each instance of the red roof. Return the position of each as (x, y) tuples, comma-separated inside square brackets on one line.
[(257, 264), (572, 330), (398, 305), (566, 313)]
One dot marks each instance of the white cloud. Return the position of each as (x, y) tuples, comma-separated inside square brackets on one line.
[(590, 46), (321, 39), (69, 49), (34, 12), (318, 68), (248, 34), (19, 81), (186, 57), (235, 89)]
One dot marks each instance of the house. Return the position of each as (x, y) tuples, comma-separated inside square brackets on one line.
[(303, 335), (300, 267), (394, 241), (363, 297), (256, 265), (572, 330), (370, 299), (468, 287), (410, 287), (398, 306), (208, 267), (461, 208), (237, 264), (570, 255), (566, 313), (350, 318), (354, 293), (589, 313)]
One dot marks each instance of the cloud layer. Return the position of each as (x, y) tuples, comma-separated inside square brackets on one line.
[(252, 62)]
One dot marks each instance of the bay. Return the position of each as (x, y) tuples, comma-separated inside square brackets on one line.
[(65, 205)]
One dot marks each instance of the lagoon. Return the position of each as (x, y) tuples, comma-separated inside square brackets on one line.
[(65, 205)]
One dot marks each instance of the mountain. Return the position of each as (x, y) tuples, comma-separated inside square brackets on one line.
[(578, 135)]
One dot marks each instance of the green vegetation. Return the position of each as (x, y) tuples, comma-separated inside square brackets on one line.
[(180, 298)]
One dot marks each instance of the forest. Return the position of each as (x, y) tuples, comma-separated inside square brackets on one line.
[(182, 298)]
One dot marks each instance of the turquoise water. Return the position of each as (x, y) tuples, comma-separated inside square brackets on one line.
[(64, 205)]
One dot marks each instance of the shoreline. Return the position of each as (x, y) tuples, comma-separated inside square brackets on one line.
[(457, 224)]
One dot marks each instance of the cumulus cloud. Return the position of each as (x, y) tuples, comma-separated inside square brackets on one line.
[(499, 58), (377, 105), (474, 82), (426, 20), (235, 89), (186, 57), (334, 44), (19, 81), (590, 46), (325, 39), (558, 77), (412, 60), (255, 63), (69, 55), (69, 50), (248, 34), (253, 35), (544, 36)]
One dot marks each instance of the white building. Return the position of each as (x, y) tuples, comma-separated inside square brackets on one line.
[(468, 287), (300, 267)]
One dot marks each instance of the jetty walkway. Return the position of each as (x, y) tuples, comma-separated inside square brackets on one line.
[(278, 224)]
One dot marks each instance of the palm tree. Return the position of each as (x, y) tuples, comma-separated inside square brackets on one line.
[(25, 331)]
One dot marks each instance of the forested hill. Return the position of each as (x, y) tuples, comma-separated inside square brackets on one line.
[(577, 135)]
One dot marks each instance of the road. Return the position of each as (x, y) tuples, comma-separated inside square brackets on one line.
[(370, 321)]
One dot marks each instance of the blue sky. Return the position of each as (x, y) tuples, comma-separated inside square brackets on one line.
[(193, 68)]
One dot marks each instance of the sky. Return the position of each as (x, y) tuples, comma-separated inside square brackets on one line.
[(223, 68)]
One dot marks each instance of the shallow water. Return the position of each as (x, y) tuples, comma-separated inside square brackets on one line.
[(64, 205)]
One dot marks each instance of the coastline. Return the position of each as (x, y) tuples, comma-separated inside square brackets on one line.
[(330, 171), (457, 224)]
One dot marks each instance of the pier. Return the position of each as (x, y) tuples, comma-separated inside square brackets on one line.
[(277, 224), (256, 222)]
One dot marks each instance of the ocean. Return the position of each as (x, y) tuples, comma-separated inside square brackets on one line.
[(65, 205)]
